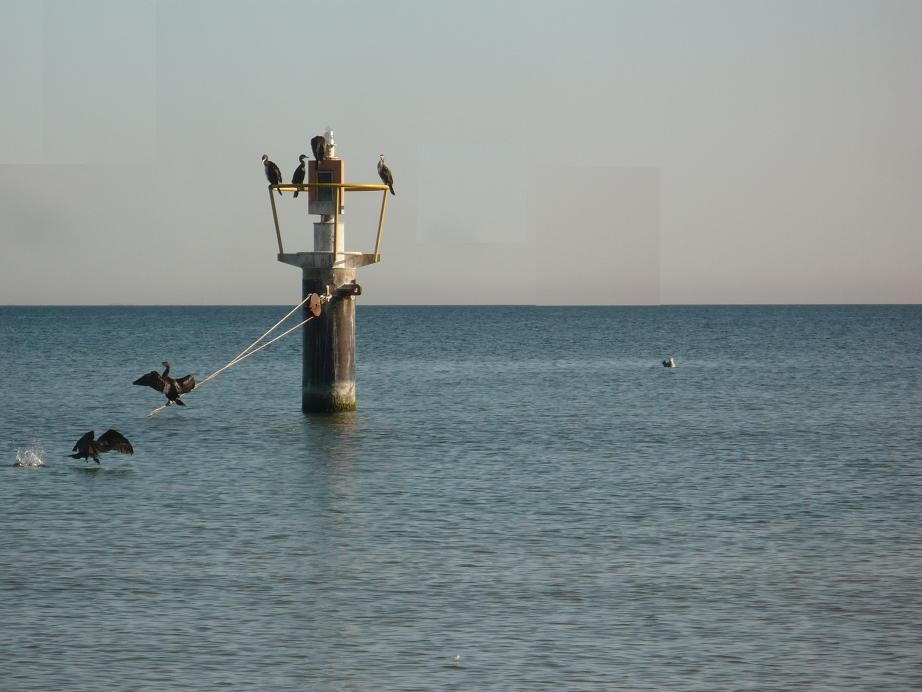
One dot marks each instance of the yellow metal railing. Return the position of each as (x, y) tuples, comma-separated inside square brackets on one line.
[(340, 188)]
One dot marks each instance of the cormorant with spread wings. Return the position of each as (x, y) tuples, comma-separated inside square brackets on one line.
[(110, 441), (170, 387)]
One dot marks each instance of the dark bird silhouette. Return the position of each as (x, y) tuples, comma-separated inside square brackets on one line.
[(319, 147), (385, 173), (273, 174), (298, 176), (170, 387), (110, 441), (669, 362)]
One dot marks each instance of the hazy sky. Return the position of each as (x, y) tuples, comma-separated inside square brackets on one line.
[(543, 152)]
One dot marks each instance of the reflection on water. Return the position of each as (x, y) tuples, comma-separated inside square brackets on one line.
[(329, 443)]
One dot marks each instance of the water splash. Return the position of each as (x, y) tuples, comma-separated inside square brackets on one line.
[(30, 457)]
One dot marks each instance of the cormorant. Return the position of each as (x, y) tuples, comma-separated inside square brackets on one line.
[(669, 362), (273, 174), (319, 147), (109, 441), (385, 174), (298, 176), (170, 387)]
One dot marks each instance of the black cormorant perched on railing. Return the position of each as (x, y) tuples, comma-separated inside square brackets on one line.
[(298, 176), (170, 387), (110, 441), (385, 174), (273, 174)]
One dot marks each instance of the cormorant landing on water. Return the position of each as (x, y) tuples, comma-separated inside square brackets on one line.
[(110, 441), (273, 174), (319, 147), (298, 176), (386, 177), (170, 387)]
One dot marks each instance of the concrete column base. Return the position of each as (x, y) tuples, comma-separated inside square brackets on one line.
[(328, 369)]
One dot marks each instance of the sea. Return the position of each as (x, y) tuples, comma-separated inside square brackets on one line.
[(525, 499)]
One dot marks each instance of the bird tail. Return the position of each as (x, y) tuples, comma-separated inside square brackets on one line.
[(392, 189), (280, 192), (178, 402), (296, 193)]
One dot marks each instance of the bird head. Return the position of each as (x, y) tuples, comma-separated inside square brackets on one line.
[(265, 157), (165, 364), (302, 157)]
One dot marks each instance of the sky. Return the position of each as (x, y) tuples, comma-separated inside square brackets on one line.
[(578, 153)]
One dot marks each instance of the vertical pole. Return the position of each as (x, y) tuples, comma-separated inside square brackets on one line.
[(380, 226), (336, 226), (275, 217), (328, 368), (328, 358)]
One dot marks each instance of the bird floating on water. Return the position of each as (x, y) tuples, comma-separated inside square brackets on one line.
[(273, 174), (298, 176), (110, 441), (386, 176), (170, 387), (669, 362), (319, 147)]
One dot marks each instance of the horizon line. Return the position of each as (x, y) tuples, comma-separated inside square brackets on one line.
[(454, 305)]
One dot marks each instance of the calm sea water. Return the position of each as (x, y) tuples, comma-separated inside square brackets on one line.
[(525, 499)]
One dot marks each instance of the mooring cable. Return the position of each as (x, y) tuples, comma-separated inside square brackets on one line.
[(290, 313), (255, 350), (249, 350)]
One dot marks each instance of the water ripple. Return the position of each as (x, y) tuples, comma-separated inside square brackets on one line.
[(525, 499)]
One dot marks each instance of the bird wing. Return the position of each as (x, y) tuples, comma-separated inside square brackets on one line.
[(185, 384), (114, 440), (385, 174), (83, 441), (298, 176), (152, 379)]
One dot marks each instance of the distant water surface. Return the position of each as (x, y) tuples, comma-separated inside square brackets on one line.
[(525, 499)]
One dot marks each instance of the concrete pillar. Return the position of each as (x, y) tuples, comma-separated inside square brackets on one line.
[(323, 237), (328, 369), (328, 361)]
